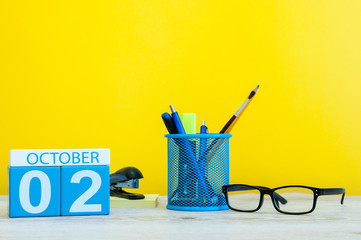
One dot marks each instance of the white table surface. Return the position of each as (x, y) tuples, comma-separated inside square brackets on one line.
[(330, 220)]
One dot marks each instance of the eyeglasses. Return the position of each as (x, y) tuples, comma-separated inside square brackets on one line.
[(293, 199)]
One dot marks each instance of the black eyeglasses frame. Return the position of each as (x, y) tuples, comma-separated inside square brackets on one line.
[(276, 197)]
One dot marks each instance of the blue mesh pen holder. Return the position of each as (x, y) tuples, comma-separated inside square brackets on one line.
[(198, 167)]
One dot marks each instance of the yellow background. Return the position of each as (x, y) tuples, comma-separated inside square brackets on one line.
[(98, 74)]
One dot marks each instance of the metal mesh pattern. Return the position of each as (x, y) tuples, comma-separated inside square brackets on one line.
[(198, 167)]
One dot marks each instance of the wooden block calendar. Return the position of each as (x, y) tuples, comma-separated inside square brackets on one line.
[(58, 182)]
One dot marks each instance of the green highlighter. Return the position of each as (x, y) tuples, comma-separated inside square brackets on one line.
[(189, 121), (189, 124)]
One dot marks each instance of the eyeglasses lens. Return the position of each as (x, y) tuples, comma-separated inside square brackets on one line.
[(243, 198), (299, 200)]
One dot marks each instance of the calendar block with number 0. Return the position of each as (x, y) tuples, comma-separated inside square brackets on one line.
[(34, 191), (56, 182)]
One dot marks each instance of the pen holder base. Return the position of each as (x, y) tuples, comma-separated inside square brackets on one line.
[(198, 167)]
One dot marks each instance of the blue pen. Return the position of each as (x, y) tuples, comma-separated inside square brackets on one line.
[(191, 157), (211, 195), (183, 166), (202, 149), (202, 157), (177, 122), (204, 128)]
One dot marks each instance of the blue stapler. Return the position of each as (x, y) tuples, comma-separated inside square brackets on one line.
[(127, 177)]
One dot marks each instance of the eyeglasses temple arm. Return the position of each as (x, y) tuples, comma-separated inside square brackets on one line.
[(333, 191)]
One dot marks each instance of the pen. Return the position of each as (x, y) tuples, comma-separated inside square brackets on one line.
[(177, 122), (210, 194), (186, 162), (168, 121), (202, 149), (204, 128)]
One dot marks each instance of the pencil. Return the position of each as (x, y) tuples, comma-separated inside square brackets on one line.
[(216, 143), (230, 124)]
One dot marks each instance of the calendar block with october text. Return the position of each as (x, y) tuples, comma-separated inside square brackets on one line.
[(54, 182)]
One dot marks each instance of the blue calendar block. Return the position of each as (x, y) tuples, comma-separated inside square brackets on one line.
[(85, 190), (34, 191)]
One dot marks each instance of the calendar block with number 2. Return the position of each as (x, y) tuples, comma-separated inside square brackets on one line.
[(58, 182)]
